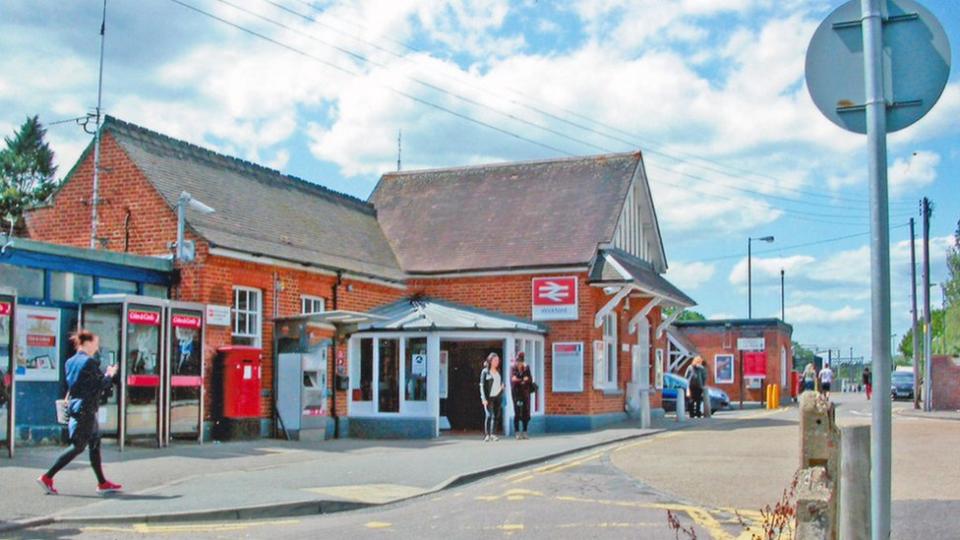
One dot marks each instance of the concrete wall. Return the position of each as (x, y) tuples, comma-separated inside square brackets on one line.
[(946, 383)]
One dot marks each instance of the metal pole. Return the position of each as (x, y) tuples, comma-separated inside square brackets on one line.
[(916, 337), (749, 278), (783, 309), (95, 201), (872, 26), (927, 321), (181, 219)]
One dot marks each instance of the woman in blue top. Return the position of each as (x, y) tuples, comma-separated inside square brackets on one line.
[(85, 383)]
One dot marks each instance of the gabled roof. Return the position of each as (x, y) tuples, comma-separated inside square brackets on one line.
[(258, 210), (504, 216), (680, 339), (616, 266), (427, 314)]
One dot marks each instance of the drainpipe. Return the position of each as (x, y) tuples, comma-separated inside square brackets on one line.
[(333, 399)]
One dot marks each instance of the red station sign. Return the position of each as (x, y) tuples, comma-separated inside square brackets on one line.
[(555, 299)]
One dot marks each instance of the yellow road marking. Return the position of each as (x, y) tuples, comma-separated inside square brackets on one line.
[(369, 493), (511, 527), (378, 525)]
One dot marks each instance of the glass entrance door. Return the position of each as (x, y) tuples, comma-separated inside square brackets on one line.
[(105, 320), (7, 391), (141, 377), (185, 337)]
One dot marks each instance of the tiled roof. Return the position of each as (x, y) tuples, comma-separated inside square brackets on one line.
[(503, 216), (258, 210), (617, 266)]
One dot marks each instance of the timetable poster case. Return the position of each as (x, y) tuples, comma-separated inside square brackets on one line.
[(37, 350), (568, 367)]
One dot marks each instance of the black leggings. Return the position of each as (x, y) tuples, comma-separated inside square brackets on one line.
[(493, 413), (521, 415), (84, 432)]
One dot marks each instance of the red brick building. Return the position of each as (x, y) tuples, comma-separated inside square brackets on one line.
[(513, 257), (761, 349), (945, 382)]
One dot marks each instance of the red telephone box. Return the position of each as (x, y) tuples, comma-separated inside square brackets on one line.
[(242, 375)]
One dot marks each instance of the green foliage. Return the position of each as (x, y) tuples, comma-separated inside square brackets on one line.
[(952, 287), (690, 315), (26, 169), (937, 320), (801, 356)]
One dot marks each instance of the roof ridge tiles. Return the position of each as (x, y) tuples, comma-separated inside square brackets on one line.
[(519, 163), (195, 151)]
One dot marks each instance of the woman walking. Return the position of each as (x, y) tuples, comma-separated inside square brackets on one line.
[(85, 384), (809, 377), (491, 395), (867, 378), (521, 382)]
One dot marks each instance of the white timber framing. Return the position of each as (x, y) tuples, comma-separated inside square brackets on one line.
[(612, 304), (632, 325), (668, 321)]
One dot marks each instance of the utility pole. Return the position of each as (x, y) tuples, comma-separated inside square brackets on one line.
[(783, 309), (927, 322), (95, 200), (399, 147), (913, 312)]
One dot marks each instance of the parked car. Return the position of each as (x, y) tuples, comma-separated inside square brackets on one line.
[(674, 384), (901, 385)]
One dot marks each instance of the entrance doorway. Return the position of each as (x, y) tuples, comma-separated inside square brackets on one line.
[(462, 405)]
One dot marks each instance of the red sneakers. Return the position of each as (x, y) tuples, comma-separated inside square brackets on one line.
[(108, 487), (47, 484)]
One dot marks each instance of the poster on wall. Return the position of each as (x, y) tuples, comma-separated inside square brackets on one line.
[(755, 364), (658, 370), (37, 349), (568, 367), (723, 368), (444, 370)]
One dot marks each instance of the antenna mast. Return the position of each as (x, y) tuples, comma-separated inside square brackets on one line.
[(399, 147), (95, 201)]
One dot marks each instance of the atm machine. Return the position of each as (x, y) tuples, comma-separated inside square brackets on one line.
[(8, 394), (132, 335), (301, 378), (184, 372)]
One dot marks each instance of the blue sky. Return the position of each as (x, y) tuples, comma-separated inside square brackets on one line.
[(712, 92)]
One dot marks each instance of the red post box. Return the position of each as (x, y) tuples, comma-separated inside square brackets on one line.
[(794, 384), (242, 375)]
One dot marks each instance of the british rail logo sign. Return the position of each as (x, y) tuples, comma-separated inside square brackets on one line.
[(555, 299)]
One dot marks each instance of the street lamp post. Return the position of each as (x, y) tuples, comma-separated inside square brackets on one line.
[(783, 304), (750, 240)]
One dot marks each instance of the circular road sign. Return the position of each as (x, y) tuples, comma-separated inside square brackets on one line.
[(916, 64)]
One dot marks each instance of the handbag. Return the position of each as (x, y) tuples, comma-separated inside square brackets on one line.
[(63, 409), (534, 387)]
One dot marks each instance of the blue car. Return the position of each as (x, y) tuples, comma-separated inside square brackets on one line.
[(672, 384)]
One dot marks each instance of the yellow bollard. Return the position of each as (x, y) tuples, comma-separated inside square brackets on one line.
[(776, 396), (769, 395)]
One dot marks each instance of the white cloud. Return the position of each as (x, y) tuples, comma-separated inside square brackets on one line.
[(764, 269), (810, 314), (690, 275), (917, 171)]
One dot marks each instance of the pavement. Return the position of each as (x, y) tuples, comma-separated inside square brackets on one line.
[(269, 478)]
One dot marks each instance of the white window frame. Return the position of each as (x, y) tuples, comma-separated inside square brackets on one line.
[(733, 369), (256, 314), (306, 300), (605, 377)]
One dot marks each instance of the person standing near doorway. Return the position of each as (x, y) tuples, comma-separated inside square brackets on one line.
[(491, 395), (868, 382), (826, 380), (85, 385), (521, 385)]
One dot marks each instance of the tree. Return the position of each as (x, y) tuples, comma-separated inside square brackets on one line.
[(690, 315), (26, 169), (906, 343), (801, 356), (952, 287)]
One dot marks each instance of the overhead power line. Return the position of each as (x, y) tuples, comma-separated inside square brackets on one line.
[(636, 141), (843, 217)]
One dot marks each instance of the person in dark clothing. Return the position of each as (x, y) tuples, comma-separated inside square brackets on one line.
[(868, 381), (491, 395), (696, 376), (85, 386), (521, 382)]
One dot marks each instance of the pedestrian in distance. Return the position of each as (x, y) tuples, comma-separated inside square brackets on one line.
[(826, 380), (491, 395), (85, 386), (696, 376), (521, 382), (809, 377), (868, 382)]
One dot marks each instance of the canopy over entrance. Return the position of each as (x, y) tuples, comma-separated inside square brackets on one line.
[(426, 314)]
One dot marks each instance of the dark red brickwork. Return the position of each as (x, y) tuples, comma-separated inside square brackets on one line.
[(946, 383)]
